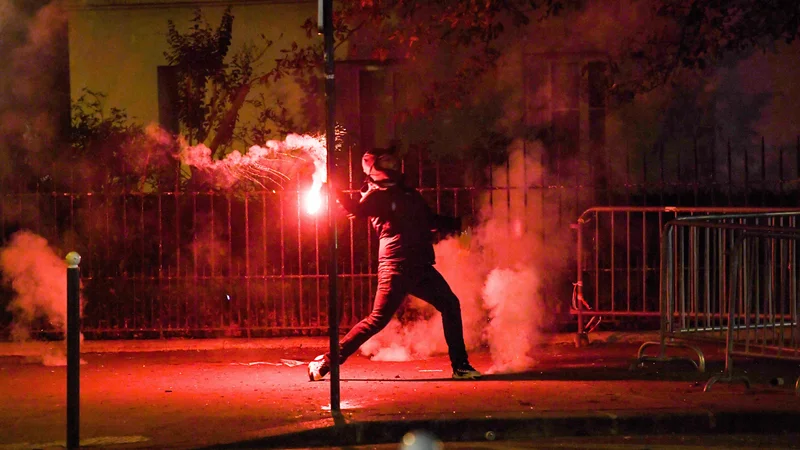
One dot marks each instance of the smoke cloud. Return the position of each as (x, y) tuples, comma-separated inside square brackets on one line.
[(409, 340), (275, 161), (513, 325), (496, 271), (34, 54), (39, 279)]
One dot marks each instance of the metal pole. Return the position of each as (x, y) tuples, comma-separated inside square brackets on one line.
[(330, 142), (578, 300), (73, 350)]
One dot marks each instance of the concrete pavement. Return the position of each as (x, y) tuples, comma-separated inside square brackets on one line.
[(253, 394)]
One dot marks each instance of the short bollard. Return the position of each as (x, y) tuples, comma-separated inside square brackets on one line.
[(73, 350)]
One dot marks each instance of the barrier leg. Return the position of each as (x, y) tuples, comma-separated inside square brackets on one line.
[(727, 374), (662, 357)]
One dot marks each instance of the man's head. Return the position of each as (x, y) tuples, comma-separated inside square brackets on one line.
[(380, 163)]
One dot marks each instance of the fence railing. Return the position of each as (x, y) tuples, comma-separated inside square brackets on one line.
[(205, 264), (730, 279), (248, 263)]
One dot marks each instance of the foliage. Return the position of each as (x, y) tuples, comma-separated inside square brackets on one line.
[(471, 33), (680, 38), (215, 84), (681, 35), (91, 126), (109, 151), (199, 59), (694, 35)]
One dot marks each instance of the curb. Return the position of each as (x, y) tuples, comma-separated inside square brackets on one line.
[(32, 348), (576, 425)]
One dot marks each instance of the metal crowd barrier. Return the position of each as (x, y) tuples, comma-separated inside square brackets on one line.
[(731, 279), (619, 265)]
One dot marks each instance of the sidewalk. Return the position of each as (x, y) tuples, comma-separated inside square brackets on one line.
[(592, 391), (254, 394)]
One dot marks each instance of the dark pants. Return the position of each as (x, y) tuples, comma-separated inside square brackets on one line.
[(395, 281)]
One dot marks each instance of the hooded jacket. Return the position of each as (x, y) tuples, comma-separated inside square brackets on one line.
[(405, 224)]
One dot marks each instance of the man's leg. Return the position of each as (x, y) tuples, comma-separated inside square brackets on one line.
[(392, 289), (433, 288)]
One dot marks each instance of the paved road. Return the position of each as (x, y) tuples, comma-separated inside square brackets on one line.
[(196, 398), (711, 442)]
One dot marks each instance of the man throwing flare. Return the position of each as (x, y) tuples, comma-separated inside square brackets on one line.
[(405, 226)]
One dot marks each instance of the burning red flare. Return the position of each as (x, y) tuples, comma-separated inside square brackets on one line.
[(313, 200), (263, 163)]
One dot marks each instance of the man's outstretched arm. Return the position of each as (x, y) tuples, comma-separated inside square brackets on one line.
[(446, 224), (369, 206), (347, 203)]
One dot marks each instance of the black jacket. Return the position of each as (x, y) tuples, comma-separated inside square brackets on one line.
[(405, 224)]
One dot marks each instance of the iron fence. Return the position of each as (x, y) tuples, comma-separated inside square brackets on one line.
[(209, 264), (251, 263)]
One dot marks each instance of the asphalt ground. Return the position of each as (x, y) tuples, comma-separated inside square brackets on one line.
[(660, 442), (255, 394)]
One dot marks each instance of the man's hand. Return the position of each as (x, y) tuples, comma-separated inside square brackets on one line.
[(346, 202), (342, 197), (446, 225)]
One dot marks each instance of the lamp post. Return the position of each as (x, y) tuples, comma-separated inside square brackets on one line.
[(325, 16), (73, 350)]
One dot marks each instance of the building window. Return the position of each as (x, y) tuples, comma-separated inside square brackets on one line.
[(168, 98), (565, 102)]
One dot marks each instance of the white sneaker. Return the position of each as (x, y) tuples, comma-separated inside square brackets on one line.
[(318, 368)]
